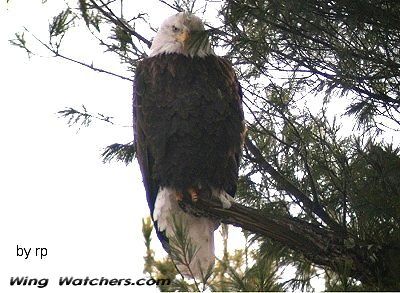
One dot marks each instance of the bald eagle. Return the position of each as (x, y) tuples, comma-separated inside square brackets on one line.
[(189, 127)]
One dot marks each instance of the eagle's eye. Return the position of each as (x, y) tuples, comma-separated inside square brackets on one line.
[(175, 29)]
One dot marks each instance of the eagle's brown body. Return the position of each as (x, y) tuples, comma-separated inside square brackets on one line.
[(188, 123), (189, 128)]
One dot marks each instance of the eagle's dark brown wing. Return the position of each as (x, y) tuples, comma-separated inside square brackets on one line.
[(188, 123)]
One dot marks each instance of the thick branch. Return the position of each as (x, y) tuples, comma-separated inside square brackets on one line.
[(319, 245)]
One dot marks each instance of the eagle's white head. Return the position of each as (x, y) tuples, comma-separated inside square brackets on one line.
[(178, 34)]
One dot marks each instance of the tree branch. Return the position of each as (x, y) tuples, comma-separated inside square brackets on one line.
[(90, 66), (285, 184), (319, 245), (118, 22)]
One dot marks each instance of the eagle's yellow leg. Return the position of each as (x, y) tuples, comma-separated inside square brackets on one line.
[(194, 195)]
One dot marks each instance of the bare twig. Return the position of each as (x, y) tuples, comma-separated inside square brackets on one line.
[(171, 6), (90, 66)]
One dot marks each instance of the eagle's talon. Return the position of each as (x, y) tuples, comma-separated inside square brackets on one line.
[(194, 195), (179, 196)]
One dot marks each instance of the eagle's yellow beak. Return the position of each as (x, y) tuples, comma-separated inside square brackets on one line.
[(183, 37)]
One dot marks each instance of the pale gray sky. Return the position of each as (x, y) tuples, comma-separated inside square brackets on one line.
[(55, 192)]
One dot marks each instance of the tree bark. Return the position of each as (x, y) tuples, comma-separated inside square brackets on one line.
[(321, 246)]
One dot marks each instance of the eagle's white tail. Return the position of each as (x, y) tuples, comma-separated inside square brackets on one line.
[(200, 230)]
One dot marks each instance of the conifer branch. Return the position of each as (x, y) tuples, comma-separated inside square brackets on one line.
[(82, 117), (319, 245), (109, 14), (310, 205)]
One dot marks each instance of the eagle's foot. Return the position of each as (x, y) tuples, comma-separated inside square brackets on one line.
[(193, 194), (179, 196)]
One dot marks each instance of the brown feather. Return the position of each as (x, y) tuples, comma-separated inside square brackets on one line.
[(189, 123)]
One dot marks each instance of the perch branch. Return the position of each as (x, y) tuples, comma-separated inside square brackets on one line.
[(319, 245)]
